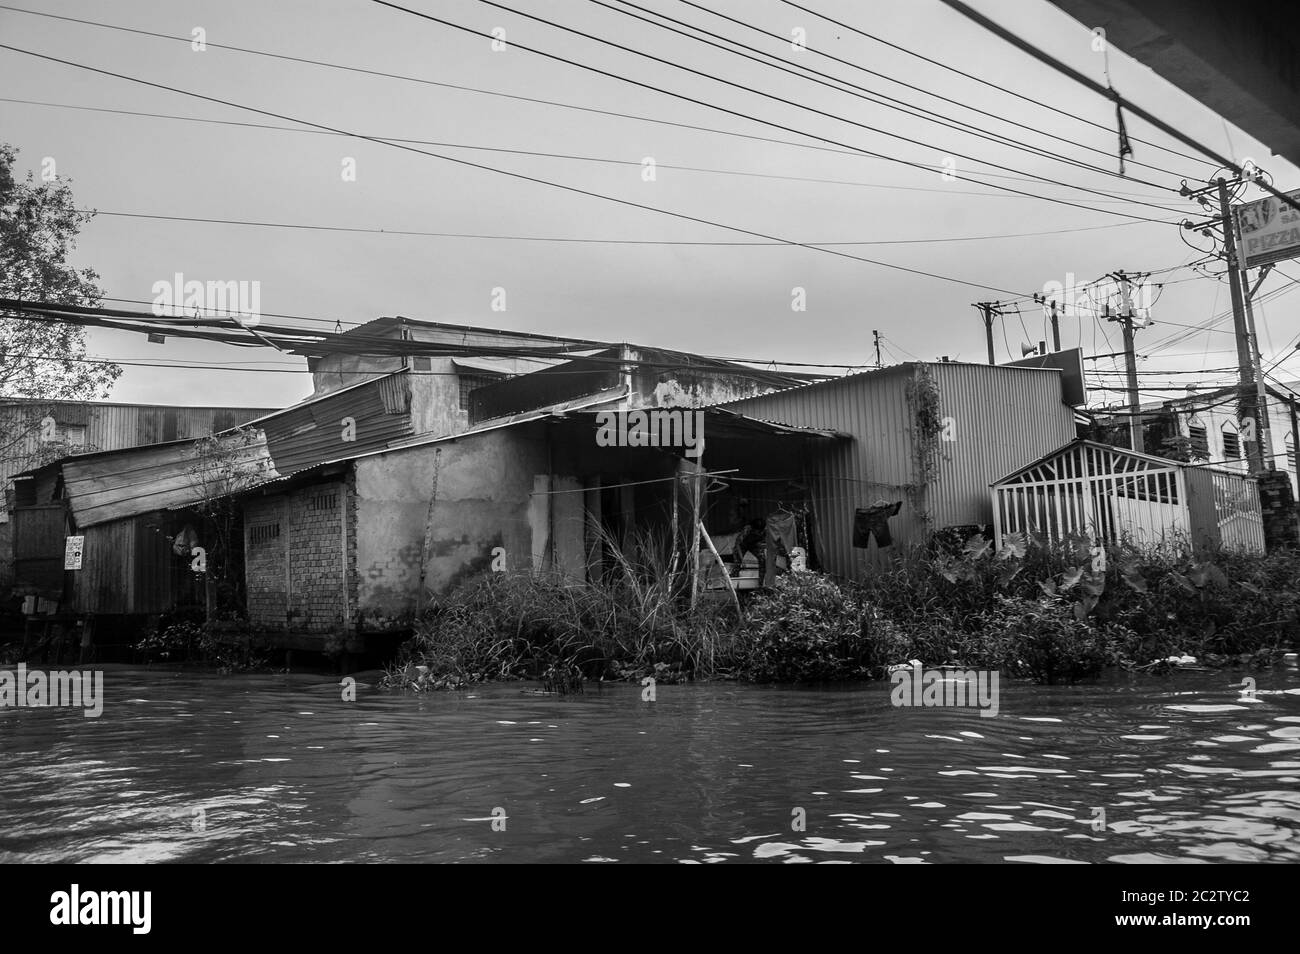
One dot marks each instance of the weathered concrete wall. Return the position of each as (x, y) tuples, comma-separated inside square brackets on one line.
[(435, 400), (483, 500), (683, 387), (344, 370)]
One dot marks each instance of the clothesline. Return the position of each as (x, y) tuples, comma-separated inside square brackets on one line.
[(636, 483)]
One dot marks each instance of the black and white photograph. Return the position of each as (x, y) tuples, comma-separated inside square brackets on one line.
[(608, 432)]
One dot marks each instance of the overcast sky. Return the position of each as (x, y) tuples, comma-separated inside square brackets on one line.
[(729, 300)]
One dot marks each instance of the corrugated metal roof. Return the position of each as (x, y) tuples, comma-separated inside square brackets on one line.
[(116, 484), (341, 424), (109, 427)]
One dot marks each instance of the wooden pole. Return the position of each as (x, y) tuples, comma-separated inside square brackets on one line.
[(672, 560), (725, 575), (697, 524)]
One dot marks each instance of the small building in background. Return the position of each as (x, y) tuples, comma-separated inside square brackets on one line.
[(1113, 495), (1205, 424), (34, 433)]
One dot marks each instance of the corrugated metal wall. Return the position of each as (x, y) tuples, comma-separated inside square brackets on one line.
[(1002, 418), (128, 566), (112, 426), (40, 533)]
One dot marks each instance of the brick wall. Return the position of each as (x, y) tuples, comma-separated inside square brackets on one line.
[(1281, 527), (264, 573), (295, 561)]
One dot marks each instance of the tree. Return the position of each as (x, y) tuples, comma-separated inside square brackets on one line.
[(40, 361), (221, 467)]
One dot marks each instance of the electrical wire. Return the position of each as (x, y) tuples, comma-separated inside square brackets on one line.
[(521, 176), (977, 79), (554, 155), (586, 241), (910, 86), (665, 62), (862, 92)]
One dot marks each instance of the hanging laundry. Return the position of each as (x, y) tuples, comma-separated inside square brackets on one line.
[(874, 521), (782, 537), (808, 540)]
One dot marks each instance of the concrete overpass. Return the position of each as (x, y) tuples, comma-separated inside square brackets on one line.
[(1241, 58)]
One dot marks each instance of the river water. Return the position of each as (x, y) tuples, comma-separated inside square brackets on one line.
[(199, 768)]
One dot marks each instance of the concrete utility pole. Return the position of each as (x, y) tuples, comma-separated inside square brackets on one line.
[(1056, 329), (1137, 440), (877, 337), (1265, 429), (1249, 403)]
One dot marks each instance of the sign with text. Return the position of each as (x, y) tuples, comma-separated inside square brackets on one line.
[(1269, 230), (72, 553)]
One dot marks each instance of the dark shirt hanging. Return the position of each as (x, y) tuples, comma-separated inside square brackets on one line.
[(874, 521)]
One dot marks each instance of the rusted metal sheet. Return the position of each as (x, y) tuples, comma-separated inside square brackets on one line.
[(104, 582), (117, 484), (342, 424), (39, 534)]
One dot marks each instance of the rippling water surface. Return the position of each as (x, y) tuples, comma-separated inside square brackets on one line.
[(190, 767)]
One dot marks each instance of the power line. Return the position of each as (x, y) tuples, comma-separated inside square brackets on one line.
[(981, 80), (593, 241), (1120, 103), (556, 155), (861, 92), (914, 88), (518, 175), (628, 49), (428, 82)]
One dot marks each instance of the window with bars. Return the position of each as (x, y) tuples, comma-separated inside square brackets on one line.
[(1200, 439), (324, 502), (1231, 445), (468, 383), (263, 533)]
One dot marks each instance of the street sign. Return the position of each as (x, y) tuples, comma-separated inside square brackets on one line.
[(1269, 230), (72, 552)]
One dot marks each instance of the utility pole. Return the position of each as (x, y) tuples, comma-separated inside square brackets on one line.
[(1248, 383), (1264, 429), (986, 311), (1137, 440), (877, 337), (1056, 329)]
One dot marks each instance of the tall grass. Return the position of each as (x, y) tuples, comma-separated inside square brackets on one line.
[(634, 621), (1051, 613)]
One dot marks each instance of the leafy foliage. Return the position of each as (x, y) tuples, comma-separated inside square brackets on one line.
[(808, 629), (39, 361)]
